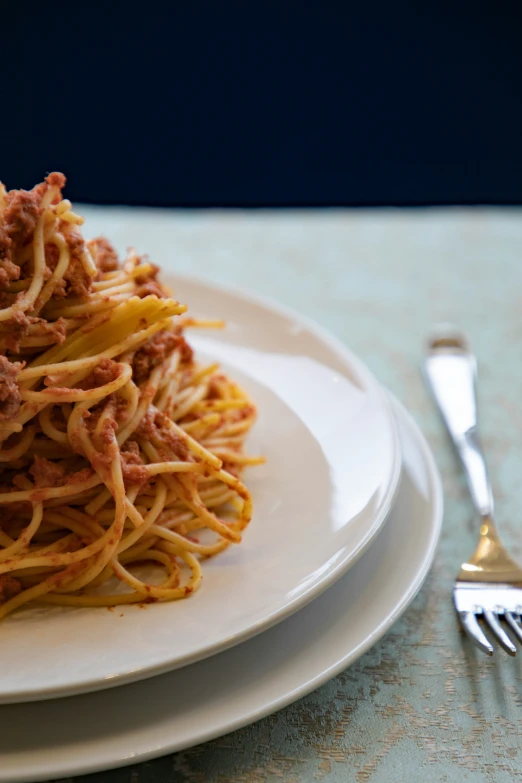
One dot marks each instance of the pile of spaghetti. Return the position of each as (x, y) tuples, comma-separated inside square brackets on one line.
[(116, 448)]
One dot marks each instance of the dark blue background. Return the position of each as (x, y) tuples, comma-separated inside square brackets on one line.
[(265, 103)]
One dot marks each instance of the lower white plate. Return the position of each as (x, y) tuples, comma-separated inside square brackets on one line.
[(136, 722)]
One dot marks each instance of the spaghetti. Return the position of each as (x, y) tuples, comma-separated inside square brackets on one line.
[(116, 447)]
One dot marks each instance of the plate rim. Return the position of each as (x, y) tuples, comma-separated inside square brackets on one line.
[(407, 596), (371, 385)]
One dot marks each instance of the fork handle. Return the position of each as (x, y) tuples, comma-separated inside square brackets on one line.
[(450, 369)]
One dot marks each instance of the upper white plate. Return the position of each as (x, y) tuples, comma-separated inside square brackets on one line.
[(88, 733), (333, 463)]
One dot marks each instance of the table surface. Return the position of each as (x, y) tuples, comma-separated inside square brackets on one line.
[(421, 705)]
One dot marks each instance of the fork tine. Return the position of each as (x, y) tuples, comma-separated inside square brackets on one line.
[(475, 632), (492, 620), (515, 627)]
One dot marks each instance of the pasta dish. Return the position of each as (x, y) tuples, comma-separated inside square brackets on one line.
[(117, 448)]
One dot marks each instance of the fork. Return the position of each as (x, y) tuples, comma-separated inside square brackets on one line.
[(489, 586)]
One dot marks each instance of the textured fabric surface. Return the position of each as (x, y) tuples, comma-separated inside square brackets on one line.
[(421, 705)]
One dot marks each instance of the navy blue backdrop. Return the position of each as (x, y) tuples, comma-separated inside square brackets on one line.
[(278, 102)]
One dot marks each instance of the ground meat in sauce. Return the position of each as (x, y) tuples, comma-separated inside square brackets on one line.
[(15, 329), (148, 284), (173, 441), (81, 475), (115, 409), (104, 255), (155, 423), (9, 587), (243, 413), (146, 428), (131, 454), (106, 435), (21, 215), (52, 254), (75, 241), (47, 473), (77, 280), (176, 444), (105, 371), (9, 390), (19, 218), (133, 469), (215, 386), (8, 270), (56, 180), (156, 350), (57, 329)]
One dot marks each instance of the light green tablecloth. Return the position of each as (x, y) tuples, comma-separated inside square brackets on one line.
[(421, 705)]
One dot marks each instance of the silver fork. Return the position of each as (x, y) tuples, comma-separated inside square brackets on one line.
[(489, 585)]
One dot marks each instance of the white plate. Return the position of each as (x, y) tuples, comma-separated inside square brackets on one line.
[(137, 722), (333, 464)]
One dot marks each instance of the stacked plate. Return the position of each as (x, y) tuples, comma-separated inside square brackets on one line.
[(347, 516)]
